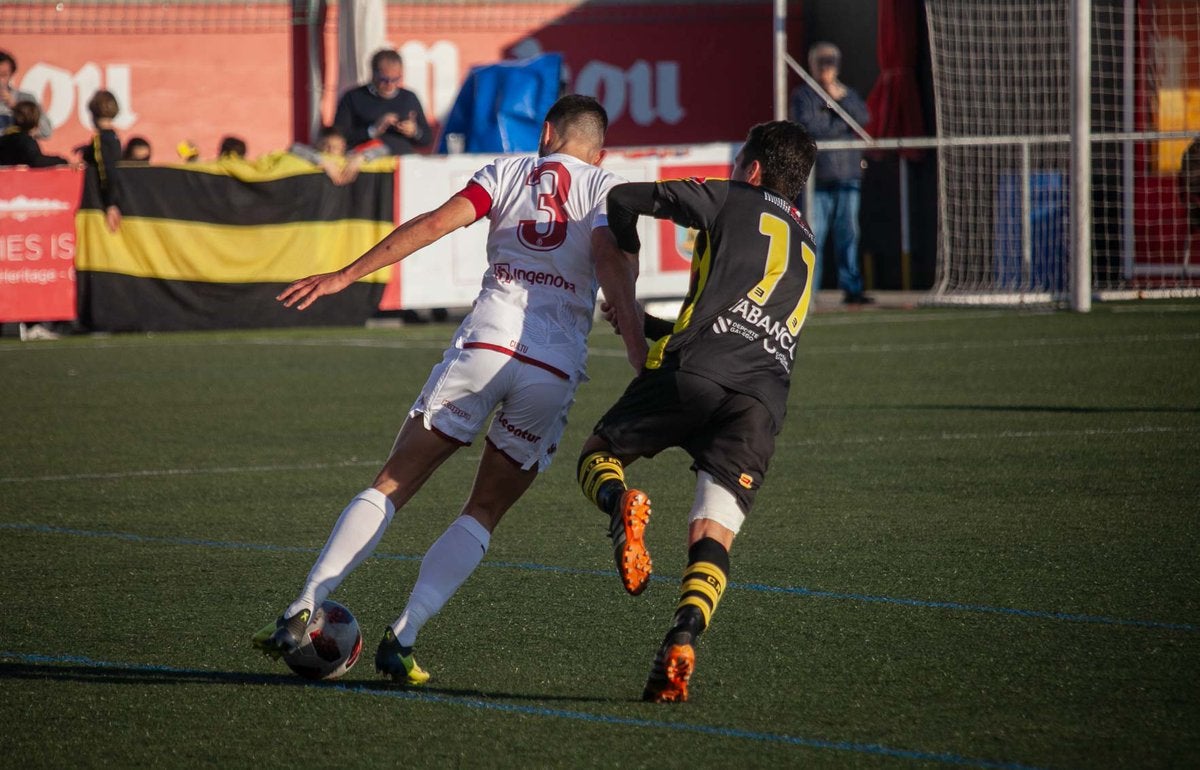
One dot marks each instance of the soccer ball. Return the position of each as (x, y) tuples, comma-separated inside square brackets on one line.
[(331, 644)]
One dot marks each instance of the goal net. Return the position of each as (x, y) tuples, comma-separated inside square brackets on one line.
[(1002, 76)]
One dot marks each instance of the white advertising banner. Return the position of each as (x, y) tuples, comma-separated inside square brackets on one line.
[(448, 273)]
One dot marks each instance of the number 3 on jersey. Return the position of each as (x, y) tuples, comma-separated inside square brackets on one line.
[(778, 248), (552, 183)]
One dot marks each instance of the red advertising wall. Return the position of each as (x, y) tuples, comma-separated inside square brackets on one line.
[(200, 77), (37, 243), (667, 73)]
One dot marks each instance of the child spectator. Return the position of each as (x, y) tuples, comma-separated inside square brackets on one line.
[(232, 147), (18, 144), (103, 154), (331, 141), (137, 150), (330, 154)]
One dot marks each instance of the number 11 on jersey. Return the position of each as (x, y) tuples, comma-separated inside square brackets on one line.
[(778, 248)]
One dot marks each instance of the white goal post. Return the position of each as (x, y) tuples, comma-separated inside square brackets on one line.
[(1061, 125)]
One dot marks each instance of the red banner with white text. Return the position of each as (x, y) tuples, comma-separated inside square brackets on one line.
[(37, 243)]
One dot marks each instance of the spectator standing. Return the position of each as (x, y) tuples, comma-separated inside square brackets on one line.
[(383, 110), (18, 145), (103, 152), (838, 173), (10, 97)]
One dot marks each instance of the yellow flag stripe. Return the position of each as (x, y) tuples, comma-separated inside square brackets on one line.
[(272, 167), (197, 251)]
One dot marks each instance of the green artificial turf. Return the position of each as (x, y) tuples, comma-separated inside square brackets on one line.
[(977, 546)]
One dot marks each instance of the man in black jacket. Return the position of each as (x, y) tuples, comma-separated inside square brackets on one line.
[(383, 110)]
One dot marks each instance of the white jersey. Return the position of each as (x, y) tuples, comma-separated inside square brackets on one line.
[(539, 292)]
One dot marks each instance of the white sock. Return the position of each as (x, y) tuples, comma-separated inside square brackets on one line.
[(353, 538), (447, 564)]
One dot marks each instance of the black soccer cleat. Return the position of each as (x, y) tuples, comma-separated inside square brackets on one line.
[(283, 636)]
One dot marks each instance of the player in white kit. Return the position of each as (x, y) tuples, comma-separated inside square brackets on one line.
[(521, 353)]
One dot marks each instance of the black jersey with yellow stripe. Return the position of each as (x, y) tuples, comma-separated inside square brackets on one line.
[(749, 291)]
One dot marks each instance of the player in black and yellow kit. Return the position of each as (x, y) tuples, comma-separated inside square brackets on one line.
[(716, 382)]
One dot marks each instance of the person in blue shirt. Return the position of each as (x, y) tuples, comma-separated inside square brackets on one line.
[(838, 173)]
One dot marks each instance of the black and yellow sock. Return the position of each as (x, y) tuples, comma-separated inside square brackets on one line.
[(602, 479), (702, 585)]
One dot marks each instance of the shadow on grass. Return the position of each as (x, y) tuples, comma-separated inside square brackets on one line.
[(150, 675)]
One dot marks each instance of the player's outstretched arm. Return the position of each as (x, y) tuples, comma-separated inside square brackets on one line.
[(617, 272), (413, 235)]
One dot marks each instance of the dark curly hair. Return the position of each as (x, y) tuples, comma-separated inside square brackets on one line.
[(786, 153)]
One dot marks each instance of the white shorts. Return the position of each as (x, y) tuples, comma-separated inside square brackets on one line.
[(530, 403)]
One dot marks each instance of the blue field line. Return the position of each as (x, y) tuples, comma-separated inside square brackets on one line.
[(535, 567), (541, 711)]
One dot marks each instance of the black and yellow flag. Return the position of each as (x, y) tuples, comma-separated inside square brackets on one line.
[(210, 245)]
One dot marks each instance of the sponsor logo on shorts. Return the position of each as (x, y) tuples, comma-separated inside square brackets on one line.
[(746, 481), (520, 433), (454, 408), (506, 273)]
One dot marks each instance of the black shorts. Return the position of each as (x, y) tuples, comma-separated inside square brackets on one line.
[(728, 434)]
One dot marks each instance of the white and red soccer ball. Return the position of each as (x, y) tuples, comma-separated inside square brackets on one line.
[(331, 645)]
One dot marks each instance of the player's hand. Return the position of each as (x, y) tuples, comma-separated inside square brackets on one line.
[(636, 347), (610, 315), (304, 292), (112, 218)]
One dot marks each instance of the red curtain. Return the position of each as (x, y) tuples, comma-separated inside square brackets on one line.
[(895, 102)]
